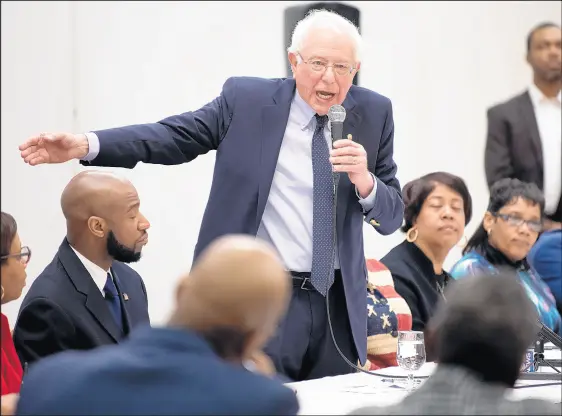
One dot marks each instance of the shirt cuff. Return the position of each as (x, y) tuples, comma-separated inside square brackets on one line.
[(368, 203), (93, 147)]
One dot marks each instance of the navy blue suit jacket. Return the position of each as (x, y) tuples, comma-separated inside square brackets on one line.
[(245, 125), (157, 371), (64, 309)]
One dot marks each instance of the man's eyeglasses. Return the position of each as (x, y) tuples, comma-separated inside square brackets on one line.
[(535, 226), (318, 65), (24, 255)]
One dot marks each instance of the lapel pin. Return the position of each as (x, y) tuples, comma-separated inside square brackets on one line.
[(125, 297)]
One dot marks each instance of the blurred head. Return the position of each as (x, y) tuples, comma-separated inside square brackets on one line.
[(325, 54), (437, 208), (102, 211), (513, 220), (543, 52), (486, 326), (234, 296), (14, 258)]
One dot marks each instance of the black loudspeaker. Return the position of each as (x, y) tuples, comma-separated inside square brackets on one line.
[(296, 13)]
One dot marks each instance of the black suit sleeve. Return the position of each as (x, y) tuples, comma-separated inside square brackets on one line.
[(42, 329), (497, 156), (408, 290)]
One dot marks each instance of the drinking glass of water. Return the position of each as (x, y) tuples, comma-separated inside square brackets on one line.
[(410, 353)]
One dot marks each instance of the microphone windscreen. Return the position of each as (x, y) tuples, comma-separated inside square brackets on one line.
[(336, 114)]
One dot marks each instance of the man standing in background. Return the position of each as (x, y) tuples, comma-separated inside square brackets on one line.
[(524, 134), (273, 179)]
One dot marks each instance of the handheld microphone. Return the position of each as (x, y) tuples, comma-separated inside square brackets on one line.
[(336, 115)]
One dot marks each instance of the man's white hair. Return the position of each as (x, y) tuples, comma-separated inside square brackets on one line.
[(324, 19)]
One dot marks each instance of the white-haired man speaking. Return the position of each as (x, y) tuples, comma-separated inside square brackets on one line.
[(274, 179)]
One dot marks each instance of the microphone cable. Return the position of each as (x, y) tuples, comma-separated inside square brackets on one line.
[(336, 177)]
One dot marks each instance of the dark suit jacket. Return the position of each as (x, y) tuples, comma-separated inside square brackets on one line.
[(513, 145), (246, 124), (64, 309), (158, 371)]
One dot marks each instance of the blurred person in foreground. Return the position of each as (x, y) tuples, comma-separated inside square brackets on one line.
[(508, 230), (524, 134), (14, 258), (226, 309), (88, 296), (438, 206), (546, 258), (480, 334), (274, 179)]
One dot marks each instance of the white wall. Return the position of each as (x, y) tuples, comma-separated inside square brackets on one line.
[(37, 73), (105, 64)]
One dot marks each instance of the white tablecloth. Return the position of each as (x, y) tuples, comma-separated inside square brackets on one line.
[(342, 394)]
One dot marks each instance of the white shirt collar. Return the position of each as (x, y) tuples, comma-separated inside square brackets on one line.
[(98, 274), (305, 112), (537, 97)]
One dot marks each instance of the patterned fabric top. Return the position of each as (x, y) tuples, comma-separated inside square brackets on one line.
[(473, 263), (387, 313)]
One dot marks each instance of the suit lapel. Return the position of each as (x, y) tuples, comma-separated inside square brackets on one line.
[(527, 113), (83, 282), (352, 120), (274, 122)]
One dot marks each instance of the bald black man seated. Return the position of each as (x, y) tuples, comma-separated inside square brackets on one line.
[(88, 296), (226, 309)]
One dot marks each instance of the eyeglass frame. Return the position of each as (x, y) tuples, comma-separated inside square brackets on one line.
[(25, 252), (518, 222), (326, 66)]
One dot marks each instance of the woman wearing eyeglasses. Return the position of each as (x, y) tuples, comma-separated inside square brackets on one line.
[(14, 258), (510, 227)]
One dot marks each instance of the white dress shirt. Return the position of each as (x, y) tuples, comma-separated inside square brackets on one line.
[(287, 218), (548, 114), (98, 274)]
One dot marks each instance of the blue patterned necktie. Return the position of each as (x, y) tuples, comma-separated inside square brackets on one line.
[(112, 299), (322, 275)]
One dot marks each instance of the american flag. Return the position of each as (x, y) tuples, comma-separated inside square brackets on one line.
[(387, 313)]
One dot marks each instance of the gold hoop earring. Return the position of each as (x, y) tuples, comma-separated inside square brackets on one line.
[(411, 238), (2, 292), (464, 240)]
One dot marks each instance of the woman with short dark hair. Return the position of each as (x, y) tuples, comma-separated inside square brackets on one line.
[(510, 227), (437, 208), (13, 259)]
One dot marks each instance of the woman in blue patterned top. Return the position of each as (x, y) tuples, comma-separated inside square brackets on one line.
[(510, 227)]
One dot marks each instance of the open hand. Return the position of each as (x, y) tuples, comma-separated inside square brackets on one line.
[(54, 148)]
